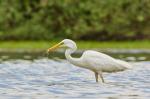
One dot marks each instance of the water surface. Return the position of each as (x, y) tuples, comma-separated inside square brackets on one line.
[(43, 78)]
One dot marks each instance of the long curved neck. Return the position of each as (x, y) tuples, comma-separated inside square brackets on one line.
[(75, 61)]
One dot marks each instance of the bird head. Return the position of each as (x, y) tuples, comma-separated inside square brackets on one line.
[(66, 43)]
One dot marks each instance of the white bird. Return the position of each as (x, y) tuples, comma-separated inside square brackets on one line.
[(92, 60)]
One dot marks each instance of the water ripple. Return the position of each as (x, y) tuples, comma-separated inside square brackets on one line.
[(45, 78)]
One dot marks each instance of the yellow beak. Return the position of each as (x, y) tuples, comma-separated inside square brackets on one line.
[(54, 47)]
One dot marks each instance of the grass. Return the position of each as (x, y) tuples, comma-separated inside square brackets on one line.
[(116, 45), (41, 45)]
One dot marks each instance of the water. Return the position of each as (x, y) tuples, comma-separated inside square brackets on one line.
[(42, 78)]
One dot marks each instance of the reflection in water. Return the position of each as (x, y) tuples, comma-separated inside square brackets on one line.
[(49, 79), (58, 55)]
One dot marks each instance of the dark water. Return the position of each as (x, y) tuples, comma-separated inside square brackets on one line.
[(34, 76)]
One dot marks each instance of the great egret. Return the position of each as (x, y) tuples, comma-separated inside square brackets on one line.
[(92, 60)]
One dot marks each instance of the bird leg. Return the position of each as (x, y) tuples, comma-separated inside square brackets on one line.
[(96, 76), (100, 73)]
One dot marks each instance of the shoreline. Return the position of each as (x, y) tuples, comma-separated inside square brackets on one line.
[(107, 50)]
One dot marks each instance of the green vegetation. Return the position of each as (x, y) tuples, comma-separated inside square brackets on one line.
[(75, 19), (42, 45)]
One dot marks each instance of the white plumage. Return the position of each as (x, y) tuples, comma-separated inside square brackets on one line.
[(92, 60), (102, 62)]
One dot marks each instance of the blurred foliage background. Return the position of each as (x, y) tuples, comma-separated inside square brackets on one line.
[(76, 19)]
